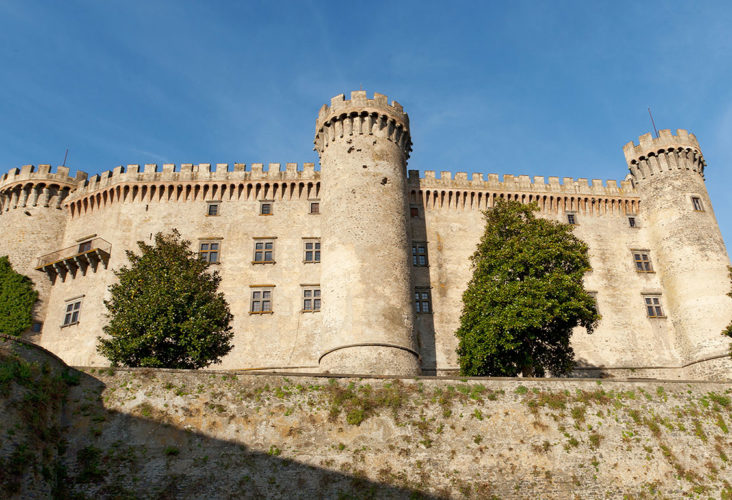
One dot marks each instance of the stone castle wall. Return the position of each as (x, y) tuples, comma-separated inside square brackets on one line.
[(203, 434), (366, 275)]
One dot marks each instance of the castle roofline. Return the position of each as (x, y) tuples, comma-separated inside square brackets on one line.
[(648, 144)]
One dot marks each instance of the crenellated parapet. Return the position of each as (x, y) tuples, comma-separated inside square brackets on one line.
[(32, 186), (665, 153), (190, 183), (197, 173), (477, 192), (362, 116)]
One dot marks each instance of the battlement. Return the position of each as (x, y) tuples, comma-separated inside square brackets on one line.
[(521, 183), (648, 144), (42, 173), (359, 102), (202, 172)]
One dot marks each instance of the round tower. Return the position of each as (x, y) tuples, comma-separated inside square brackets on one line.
[(32, 221), (686, 246), (368, 319)]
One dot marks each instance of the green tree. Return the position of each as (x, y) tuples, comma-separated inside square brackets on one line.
[(525, 296), (17, 298), (728, 331), (165, 311)]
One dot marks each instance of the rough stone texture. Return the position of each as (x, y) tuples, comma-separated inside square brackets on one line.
[(366, 230), (187, 434), (363, 146)]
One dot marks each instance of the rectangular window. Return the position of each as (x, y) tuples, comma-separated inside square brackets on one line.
[(697, 203), (85, 246), (263, 251), (213, 209), (414, 211), (265, 208), (261, 300), (642, 262), (209, 251), (314, 207), (422, 301), (73, 309), (36, 327), (419, 254), (653, 306), (311, 299), (632, 222), (571, 219), (312, 250)]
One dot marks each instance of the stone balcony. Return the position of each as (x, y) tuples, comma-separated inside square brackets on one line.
[(76, 259)]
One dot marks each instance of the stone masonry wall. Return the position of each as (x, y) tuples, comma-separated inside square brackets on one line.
[(196, 434)]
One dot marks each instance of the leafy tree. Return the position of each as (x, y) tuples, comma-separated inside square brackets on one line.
[(165, 311), (525, 296), (728, 331), (17, 298)]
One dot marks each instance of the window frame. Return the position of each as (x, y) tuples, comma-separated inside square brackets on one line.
[(633, 222), (413, 212), (316, 250), (260, 297), (213, 204), (697, 204), (640, 264), (205, 254), (653, 305), (311, 294), (264, 241), (266, 203), (572, 218), (72, 311), (314, 204), (421, 296), (416, 246)]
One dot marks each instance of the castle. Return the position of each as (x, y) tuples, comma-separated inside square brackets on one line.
[(360, 267)]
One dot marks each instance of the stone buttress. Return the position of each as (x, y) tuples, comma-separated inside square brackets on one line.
[(368, 318)]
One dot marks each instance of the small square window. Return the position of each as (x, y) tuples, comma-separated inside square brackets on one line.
[(73, 310), (632, 222), (422, 301), (697, 204), (263, 251), (419, 254), (265, 208), (642, 262), (653, 306), (85, 246), (414, 211), (314, 207), (213, 209), (36, 327), (261, 302), (311, 299), (571, 219), (312, 250), (209, 251)]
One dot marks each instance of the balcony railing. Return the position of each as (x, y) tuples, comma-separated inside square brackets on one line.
[(81, 256)]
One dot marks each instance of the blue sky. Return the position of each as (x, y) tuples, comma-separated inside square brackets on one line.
[(537, 88)]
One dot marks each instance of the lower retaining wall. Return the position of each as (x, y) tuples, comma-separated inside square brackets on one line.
[(200, 434)]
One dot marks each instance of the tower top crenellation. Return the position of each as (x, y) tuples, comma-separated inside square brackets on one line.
[(666, 140)]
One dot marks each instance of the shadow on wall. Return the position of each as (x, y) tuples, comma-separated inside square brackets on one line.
[(87, 450), (424, 322)]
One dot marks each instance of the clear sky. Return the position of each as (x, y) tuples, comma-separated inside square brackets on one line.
[(538, 88)]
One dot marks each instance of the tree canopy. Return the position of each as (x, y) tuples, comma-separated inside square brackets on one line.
[(17, 298), (525, 297), (165, 311)]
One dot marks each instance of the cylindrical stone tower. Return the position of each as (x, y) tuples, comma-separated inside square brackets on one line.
[(368, 319), (32, 221), (686, 247)]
